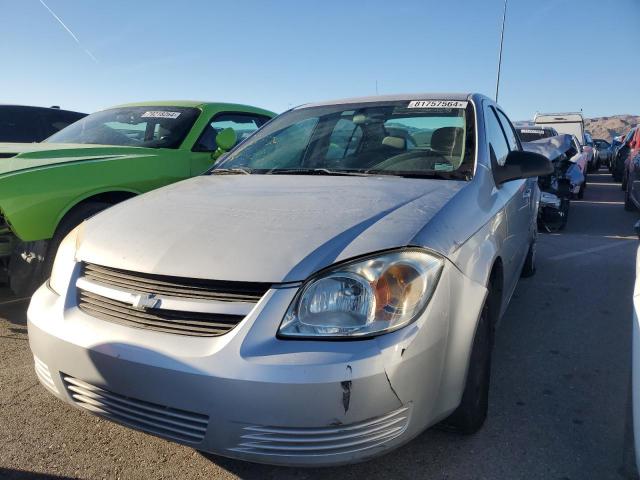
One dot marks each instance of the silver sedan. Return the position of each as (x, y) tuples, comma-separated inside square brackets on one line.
[(324, 294)]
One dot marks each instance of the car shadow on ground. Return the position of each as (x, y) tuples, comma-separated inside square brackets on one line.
[(11, 474)]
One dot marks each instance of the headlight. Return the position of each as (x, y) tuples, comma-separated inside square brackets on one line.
[(367, 297), (64, 263)]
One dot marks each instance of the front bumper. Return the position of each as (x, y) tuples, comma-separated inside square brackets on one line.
[(251, 396)]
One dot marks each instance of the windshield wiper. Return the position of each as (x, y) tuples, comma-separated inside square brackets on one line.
[(313, 171), (431, 174), (231, 171)]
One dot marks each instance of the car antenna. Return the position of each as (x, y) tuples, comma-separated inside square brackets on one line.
[(504, 16)]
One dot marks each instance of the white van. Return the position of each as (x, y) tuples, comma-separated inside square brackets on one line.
[(571, 123)]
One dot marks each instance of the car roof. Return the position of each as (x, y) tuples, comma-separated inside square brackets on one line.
[(217, 106), (393, 98), (33, 107)]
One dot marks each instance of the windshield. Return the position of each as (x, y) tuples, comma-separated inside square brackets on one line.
[(151, 127), (530, 135), (383, 138)]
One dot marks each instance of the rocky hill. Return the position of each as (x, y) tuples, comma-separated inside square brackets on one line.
[(608, 127)]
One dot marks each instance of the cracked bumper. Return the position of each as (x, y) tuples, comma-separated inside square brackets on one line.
[(247, 394)]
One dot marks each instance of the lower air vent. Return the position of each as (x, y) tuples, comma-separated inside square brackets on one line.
[(44, 375), (157, 319), (160, 420), (333, 440)]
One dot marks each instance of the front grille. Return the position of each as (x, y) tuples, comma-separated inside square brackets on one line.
[(158, 419), (176, 286), (160, 320), (334, 440)]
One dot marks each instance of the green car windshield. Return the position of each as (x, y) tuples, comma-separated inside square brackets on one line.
[(148, 126), (407, 138)]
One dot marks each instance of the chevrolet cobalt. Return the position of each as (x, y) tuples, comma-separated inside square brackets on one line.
[(321, 296)]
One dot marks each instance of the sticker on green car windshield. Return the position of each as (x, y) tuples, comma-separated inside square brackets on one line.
[(160, 114), (428, 104)]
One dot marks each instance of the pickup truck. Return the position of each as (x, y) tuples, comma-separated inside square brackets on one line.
[(47, 189)]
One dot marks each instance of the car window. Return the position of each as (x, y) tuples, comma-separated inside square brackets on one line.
[(344, 140), (498, 146), (244, 124), (399, 137), (510, 132), (139, 126), (283, 149), (54, 121), (19, 125)]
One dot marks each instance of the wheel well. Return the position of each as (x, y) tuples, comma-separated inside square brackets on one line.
[(106, 197)]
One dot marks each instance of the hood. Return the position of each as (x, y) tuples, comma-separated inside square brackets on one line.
[(23, 156), (551, 147), (261, 228)]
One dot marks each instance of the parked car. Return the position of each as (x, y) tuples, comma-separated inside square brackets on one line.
[(571, 123), (301, 303), (101, 160), (531, 134), (615, 145), (618, 170), (557, 188), (21, 123), (632, 172), (635, 358), (589, 148), (602, 152)]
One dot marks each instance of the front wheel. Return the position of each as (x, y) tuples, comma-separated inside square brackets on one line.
[(75, 217), (470, 415)]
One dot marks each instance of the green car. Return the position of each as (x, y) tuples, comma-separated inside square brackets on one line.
[(48, 188)]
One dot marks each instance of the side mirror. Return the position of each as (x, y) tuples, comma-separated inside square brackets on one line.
[(522, 165), (226, 139)]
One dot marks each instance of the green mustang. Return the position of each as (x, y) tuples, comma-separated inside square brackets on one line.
[(48, 188)]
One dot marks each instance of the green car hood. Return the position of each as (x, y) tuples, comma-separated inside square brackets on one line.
[(15, 157)]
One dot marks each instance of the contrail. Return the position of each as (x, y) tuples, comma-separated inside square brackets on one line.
[(69, 31)]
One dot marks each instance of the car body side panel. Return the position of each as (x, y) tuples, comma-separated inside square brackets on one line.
[(34, 203)]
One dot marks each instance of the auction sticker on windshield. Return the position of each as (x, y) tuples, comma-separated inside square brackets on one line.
[(160, 114), (437, 104)]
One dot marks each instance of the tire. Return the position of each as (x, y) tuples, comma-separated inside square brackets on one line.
[(71, 220), (565, 209), (529, 267), (470, 415)]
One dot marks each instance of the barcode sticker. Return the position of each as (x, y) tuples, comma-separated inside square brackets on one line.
[(437, 104), (160, 114)]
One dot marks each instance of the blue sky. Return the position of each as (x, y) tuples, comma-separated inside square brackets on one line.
[(559, 54)]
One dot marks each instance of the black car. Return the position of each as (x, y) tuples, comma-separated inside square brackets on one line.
[(24, 124), (603, 152), (530, 134), (618, 164)]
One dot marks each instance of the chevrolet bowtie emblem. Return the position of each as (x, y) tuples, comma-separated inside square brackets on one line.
[(143, 301)]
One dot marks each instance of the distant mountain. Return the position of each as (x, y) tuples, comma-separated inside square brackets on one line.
[(609, 127), (603, 127)]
